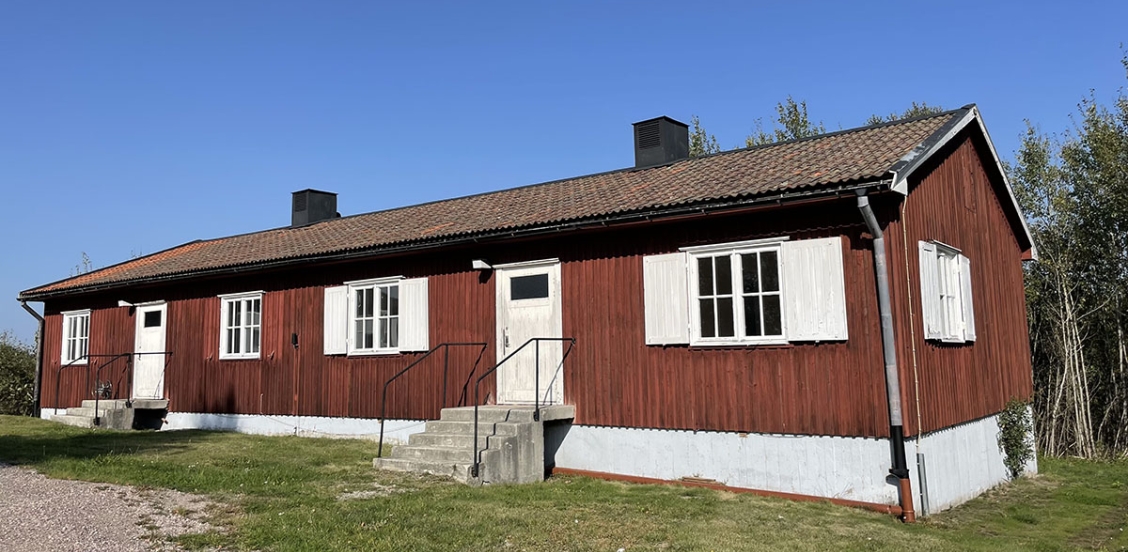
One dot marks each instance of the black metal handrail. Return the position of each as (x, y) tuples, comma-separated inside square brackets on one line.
[(98, 373), (74, 363), (446, 367), (536, 386), (129, 378)]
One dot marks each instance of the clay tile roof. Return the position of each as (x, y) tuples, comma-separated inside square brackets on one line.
[(852, 156)]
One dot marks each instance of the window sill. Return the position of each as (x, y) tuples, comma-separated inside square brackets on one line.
[(74, 362), (240, 357), (385, 352), (737, 344)]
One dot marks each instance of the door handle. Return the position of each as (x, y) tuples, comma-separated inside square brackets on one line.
[(505, 336)]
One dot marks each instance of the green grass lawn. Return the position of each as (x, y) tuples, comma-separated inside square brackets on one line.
[(283, 493)]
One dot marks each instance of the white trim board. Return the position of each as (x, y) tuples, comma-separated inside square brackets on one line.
[(395, 431)]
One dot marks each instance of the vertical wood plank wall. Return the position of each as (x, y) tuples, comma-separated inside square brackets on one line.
[(955, 202), (612, 377)]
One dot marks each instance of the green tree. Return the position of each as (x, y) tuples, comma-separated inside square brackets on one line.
[(1074, 191), (17, 376), (915, 110), (792, 123), (701, 142)]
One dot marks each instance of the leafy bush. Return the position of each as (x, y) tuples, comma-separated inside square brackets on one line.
[(1015, 429), (17, 376)]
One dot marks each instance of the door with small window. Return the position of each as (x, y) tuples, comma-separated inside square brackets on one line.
[(149, 337), (528, 306)]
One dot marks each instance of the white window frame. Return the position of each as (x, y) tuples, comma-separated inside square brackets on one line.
[(81, 319), (734, 251), (244, 326), (379, 321), (950, 266)]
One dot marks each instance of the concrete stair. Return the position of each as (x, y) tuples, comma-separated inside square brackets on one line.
[(113, 413), (511, 441)]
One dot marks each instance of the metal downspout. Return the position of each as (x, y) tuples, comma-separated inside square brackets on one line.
[(38, 354), (889, 352)]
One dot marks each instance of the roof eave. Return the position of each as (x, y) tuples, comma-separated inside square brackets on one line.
[(619, 218)]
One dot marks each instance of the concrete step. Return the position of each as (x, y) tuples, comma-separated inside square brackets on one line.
[(137, 404), (105, 403), (76, 421), (490, 414), (89, 411), (448, 440), (433, 454), (467, 428), (458, 470)]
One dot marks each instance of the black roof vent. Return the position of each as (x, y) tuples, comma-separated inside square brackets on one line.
[(660, 141), (312, 206)]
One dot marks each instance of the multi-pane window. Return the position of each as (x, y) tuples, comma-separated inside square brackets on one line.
[(375, 318), (946, 294), (951, 304), (739, 297), (241, 335), (76, 336)]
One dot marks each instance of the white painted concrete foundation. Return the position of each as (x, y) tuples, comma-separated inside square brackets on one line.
[(962, 461), (395, 431)]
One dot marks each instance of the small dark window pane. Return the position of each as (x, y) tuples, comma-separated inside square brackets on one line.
[(752, 316), (773, 317), (153, 319), (724, 275), (528, 287), (705, 276), (724, 318), (750, 273), (393, 332), (708, 328), (770, 262), (393, 301)]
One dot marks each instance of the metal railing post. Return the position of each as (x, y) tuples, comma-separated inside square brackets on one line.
[(536, 383)]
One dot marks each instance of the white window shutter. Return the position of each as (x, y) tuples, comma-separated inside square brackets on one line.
[(224, 306), (965, 298), (336, 325), (930, 292), (666, 299), (814, 290), (414, 323)]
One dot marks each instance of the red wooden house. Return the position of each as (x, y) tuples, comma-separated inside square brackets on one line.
[(841, 316)]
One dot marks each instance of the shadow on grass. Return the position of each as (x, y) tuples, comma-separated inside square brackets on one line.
[(51, 444)]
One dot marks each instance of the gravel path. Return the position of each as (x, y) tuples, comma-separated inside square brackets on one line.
[(41, 514)]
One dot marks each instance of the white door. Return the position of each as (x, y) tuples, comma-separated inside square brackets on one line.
[(528, 306), (149, 337)]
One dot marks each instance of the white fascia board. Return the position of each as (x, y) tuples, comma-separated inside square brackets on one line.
[(916, 158)]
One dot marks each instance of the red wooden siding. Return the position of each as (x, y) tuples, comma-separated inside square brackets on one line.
[(76, 385), (955, 202), (612, 377)]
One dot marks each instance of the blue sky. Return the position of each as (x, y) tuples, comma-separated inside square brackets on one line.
[(130, 127)]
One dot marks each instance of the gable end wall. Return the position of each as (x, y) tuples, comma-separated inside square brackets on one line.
[(958, 202)]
